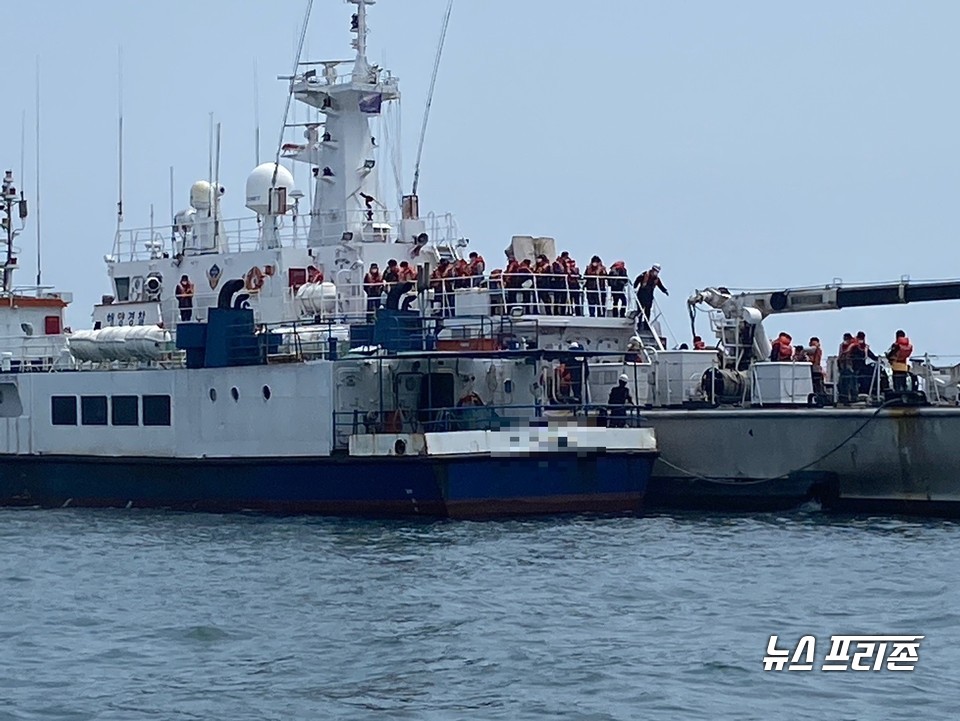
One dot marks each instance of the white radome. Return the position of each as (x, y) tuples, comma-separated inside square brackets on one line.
[(259, 183), (201, 195)]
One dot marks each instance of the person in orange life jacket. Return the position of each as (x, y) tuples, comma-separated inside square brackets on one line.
[(573, 285), (373, 286), (634, 352), (899, 357), (847, 383), (461, 274), (392, 273), (645, 284), (407, 272), (859, 355), (495, 284), (558, 280), (782, 349), (441, 280), (698, 343), (511, 280), (814, 354), (477, 268), (618, 401), (617, 279), (525, 284), (544, 284), (595, 281), (184, 293)]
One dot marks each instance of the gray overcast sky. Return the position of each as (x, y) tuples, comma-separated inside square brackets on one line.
[(749, 144)]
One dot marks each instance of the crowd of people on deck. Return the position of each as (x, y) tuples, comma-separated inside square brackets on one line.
[(856, 363), (541, 286)]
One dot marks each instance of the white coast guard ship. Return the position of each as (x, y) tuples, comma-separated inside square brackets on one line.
[(268, 388)]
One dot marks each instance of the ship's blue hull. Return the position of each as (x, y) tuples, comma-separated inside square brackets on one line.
[(458, 487)]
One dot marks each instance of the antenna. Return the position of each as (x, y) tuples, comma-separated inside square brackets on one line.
[(433, 82), (119, 136), (210, 156), (23, 143), (216, 193), (36, 198), (256, 110), (173, 218), (286, 109)]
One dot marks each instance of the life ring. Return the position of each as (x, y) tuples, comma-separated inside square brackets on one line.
[(253, 280), (314, 274)]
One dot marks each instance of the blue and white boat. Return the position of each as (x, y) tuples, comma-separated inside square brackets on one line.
[(242, 365)]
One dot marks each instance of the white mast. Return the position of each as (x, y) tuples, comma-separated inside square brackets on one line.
[(345, 204)]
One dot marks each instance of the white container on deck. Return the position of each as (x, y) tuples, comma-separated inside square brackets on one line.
[(677, 375), (780, 383)]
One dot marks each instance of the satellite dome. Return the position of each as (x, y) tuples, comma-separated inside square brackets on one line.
[(259, 183), (201, 195)]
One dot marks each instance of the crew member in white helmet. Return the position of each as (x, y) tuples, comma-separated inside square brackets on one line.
[(645, 284), (618, 401)]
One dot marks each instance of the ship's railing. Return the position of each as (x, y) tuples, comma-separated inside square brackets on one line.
[(231, 235), (541, 294), (32, 353), (473, 416)]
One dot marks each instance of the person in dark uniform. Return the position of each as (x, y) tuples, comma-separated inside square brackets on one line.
[(184, 293), (645, 284), (618, 401)]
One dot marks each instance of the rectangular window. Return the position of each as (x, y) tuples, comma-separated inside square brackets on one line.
[(93, 410), (51, 325), (156, 410), (63, 410), (124, 410), (123, 288)]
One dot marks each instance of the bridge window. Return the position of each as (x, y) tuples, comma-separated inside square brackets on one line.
[(124, 410), (123, 288), (63, 410), (93, 410), (156, 410)]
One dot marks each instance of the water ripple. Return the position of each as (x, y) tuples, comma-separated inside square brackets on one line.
[(144, 615)]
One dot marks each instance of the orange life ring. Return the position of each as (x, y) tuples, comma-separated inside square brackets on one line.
[(253, 280)]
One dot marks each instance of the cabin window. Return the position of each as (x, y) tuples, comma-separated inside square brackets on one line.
[(93, 410), (124, 410), (156, 410), (63, 410), (51, 325), (123, 288)]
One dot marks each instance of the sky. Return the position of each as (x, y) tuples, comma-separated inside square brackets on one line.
[(746, 144)]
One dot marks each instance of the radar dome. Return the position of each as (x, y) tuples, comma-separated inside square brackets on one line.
[(201, 195), (259, 183)]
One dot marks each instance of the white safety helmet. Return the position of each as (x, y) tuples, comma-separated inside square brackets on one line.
[(656, 267), (575, 346), (624, 378)]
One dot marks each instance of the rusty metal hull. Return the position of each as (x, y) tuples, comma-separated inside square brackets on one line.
[(896, 460)]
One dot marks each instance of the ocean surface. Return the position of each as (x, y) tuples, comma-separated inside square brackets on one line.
[(149, 615)]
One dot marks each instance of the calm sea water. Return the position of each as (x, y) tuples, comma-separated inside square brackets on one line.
[(136, 615)]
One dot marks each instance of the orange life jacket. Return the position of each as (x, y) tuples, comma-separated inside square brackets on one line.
[(904, 350)]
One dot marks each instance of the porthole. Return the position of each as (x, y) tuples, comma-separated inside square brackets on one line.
[(266, 393), (213, 394), (400, 447), (235, 393)]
